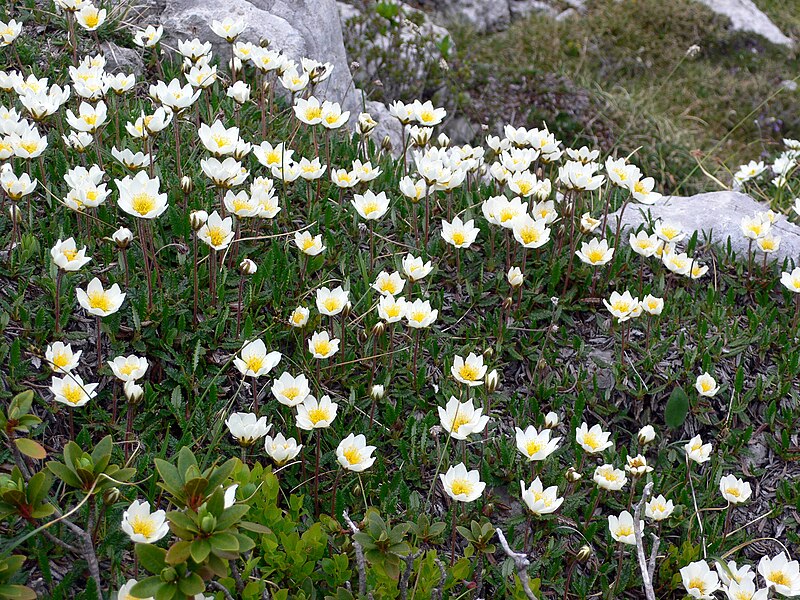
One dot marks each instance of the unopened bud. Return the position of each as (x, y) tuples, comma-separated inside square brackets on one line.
[(378, 329), (646, 435), (15, 213), (197, 219), (122, 237), (508, 303), (169, 575), (572, 475), (248, 267), (133, 391), (443, 140), (583, 554), (492, 380), (377, 392), (111, 496), (488, 353), (551, 420), (263, 42), (386, 143), (208, 523), (187, 185)]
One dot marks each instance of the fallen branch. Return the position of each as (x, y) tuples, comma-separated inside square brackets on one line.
[(646, 569), (521, 563), (362, 567)]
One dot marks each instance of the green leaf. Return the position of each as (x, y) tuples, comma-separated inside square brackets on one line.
[(677, 408), (200, 549), (64, 474), (192, 585), (151, 557), (178, 553), (30, 448), (147, 588)]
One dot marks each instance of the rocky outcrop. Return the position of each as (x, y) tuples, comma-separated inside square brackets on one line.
[(497, 15), (299, 28), (717, 215), (745, 16)]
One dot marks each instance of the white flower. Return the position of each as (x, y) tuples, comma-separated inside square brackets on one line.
[(699, 580), (419, 314), (254, 361), (515, 277), (218, 139), (228, 28), (290, 391), (124, 592), (61, 358), (216, 231), (142, 526), (530, 232), (139, 196), (392, 309), (321, 345), (652, 305), (595, 252), (281, 449), (781, 574), (461, 420), (354, 454), (98, 301), (311, 245), (791, 280), (622, 305), (697, 451), (415, 268), (89, 117), (462, 485), (668, 232), (313, 414), (389, 284), (647, 434), (534, 445), (128, 368), (643, 244), (469, 371), (458, 233), (730, 573), (72, 391), (540, 501), (609, 478), (247, 428), (67, 257), (331, 302), (637, 465), (734, 490), (299, 316), (621, 528), (593, 440), (658, 508), (746, 590), (706, 385)]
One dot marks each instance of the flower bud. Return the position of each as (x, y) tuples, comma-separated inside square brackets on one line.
[(133, 391), (572, 475), (111, 496), (378, 329), (377, 392), (515, 277), (197, 219), (168, 575), (386, 143), (508, 303), (122, 237), (584, 554), (443, 140), (187, 185), (492, 379), (646, 435), (488, 353), (208, 523), (551, 420), (248, 267), (14, 213)]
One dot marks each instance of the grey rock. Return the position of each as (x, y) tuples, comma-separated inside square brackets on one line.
[(483, 15), (522, 8), (387, 126), (717, 215), (122, 60), (745, 16), (300, 28), (566, 14)]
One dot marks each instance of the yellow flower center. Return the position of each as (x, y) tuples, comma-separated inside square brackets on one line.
[(624, 530), (331, 304), (462, 486), (291, 393), (733, 491), (529, 235), (524, 186), (143, 526), (322, 347), (92, 20), (621, 306), (669, 232), (533, 447), (332, 118), (591, 440), (316, 415), (352, 455), (506, 214), (100, 300), (297, 317), (128, 368), (61, 360), (426, 116), (217, 235), (72, 393), (69, 254), (468, 372), (458, 238), (697, 584), (240, 204), (388, 285), (418, 316), (639, 188), (610, 475), (143, 203), (705, 385), (393, 310), (595, 255), (220, 140), (370, 207), (313, 113), (29, 147), (460, 420), (254, 363), (345, 177), (90, 119), (778, 578)]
